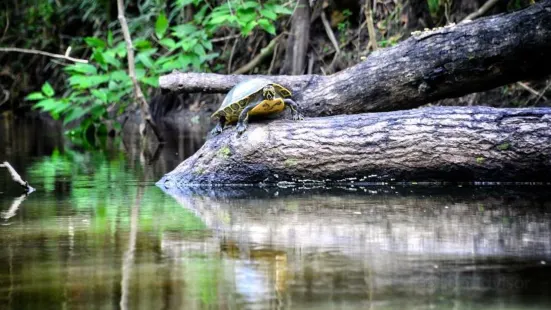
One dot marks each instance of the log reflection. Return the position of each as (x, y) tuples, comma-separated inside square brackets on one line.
[(380, 242)]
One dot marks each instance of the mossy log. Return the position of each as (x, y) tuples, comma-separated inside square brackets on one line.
[(448, 62), (426, 144)]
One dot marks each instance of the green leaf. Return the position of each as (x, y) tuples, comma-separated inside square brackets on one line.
[(151, 81), (250, 5), (98, 57), (82, 81), (101, 95), (182, 3), (268, 14), (188, 44), (249, 27), (161, 26), (199, 50), (184, 30), (119, 75), (209, 57), (46, 104), (48, 90), (75, 113), (94, 42), (109, 57), (81, 68), (200, 15), (207, 45), (267, 25), (35, 96), (110, 38), (141, 43), (168, 43), (145, 60)]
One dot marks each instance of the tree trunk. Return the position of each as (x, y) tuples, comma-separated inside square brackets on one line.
[(439, 143), (448, 62), (297, 43), (418, 15)]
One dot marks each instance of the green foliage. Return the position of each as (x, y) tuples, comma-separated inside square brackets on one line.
[(101, 89), (434, 6)]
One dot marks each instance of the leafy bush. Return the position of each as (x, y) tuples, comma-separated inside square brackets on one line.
[(101, 89)]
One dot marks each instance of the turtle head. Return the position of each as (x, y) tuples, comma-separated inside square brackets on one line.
[(269, 92)]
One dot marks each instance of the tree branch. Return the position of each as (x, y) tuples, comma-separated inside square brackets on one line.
[(482, 10), (138, 94), (37, 52), (17, 178)]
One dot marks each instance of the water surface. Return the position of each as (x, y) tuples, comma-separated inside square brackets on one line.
[(98, 234)]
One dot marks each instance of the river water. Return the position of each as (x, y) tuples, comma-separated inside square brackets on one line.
[(99, 234)]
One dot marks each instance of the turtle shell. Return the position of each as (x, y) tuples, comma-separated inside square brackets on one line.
[(242, 94)]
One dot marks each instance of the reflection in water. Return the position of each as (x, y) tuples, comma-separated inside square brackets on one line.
[(97, 233)]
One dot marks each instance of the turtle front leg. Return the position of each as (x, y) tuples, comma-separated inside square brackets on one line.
[(243, 120), (219, 127), (295, 114)]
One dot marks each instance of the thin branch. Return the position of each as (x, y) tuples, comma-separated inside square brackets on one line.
[(543, 92), (17, 178), (233, 36), (231, 54), (370, 26), (138, 94), (265, 52), (37, 52), (329, 32), (531, 90), (481, 11)]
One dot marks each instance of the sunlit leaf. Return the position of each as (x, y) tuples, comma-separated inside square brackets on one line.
[(109, 38), (82, 68), (250, 5), (249, 27), (46, 104), (151, 81), (35, 96), (94, 42), (161, 26), (184, 30), (200, 15), (48, 90), (169, 43), (267, 25), (268, 14), (101, 95), (145, 60), (141, 43)]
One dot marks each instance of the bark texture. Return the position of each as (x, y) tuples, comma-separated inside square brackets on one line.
[(297, 43), (437, 143), (448, 62)]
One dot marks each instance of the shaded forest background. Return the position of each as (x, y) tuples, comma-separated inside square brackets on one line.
[(230, 36)]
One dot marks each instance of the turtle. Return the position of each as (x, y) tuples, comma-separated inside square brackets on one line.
[(256, 96)]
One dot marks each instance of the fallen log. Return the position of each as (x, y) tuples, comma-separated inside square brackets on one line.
[(443, 63), (426, 144)]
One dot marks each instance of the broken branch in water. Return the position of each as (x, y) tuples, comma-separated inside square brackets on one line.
[(17, 178)]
